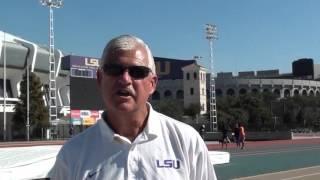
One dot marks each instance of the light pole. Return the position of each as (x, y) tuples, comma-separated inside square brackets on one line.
[(197, 58), (53, 112), (28, 102), (211, 34), (4, 87), (275, 122)]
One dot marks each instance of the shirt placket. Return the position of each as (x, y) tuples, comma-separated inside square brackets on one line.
[(132, 165)]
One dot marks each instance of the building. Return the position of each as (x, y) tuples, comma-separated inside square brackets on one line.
[(85, 101), (184, 81), (176, 77)]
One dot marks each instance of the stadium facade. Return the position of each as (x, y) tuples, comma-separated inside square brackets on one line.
[(184, 81), (16, 54), (304, 80)]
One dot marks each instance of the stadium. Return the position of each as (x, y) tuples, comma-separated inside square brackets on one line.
[(304, 80), (16, 55), (184, 81)]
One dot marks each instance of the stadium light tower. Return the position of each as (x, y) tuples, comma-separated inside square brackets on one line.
[(53, 112), (211, 34)]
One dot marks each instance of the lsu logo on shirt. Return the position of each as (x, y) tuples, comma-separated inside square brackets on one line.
[(168, 163)]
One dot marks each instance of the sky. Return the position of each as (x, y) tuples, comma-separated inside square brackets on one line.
[(252, 34)]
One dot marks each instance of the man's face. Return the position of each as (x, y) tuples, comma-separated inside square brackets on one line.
[(125, 87)]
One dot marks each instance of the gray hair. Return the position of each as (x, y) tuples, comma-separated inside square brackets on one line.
[(128, 42)]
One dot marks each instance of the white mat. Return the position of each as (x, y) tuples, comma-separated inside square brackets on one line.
[(17, 163), (219, 157), (27, 162)]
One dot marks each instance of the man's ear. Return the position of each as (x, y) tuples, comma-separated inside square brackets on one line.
[(154, 82), (99, 78)]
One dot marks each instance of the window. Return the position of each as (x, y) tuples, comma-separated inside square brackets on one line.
[(219, 92), (167, 94), (87, 73), (179, 94), (230, 92), (191, 91), (8, 89), (195, 75), (202, 107), (162, 66), (242, 91), (188, 76)]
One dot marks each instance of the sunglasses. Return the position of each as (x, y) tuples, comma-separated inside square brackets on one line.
[(136, 72)]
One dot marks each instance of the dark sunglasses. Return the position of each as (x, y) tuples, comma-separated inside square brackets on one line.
[(136, 72)]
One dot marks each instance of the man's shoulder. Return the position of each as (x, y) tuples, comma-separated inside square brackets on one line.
[(170, 122), (80, 140), (180, 133)]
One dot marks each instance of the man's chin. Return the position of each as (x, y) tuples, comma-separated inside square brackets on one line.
[(125, 107)]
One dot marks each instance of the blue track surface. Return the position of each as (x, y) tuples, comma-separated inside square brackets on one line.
[(265, 160)]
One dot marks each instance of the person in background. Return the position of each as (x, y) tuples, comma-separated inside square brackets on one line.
[(132, 140), (242, 135), (202, 130), (71, 130), (236, 132), (225, 139)]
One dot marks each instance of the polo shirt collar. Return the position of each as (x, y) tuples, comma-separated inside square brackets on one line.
[(151, 131), (105, 130), (153, 126)]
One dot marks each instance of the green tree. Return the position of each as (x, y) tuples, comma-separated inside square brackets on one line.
[(258, 111), (170, 108), (193, 110), (38, 112), (292, 107), (250, 109)]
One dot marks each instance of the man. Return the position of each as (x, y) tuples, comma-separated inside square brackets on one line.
[(242, 135), (132, 141), (202, 131), (225, 139), (236, 132)]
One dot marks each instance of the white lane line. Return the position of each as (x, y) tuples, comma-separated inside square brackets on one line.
[(276, 173), (298, 177), (273, 152)]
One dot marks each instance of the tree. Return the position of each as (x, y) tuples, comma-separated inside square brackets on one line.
[(38, 112), (170, 108), (192, 110), (264, 111)]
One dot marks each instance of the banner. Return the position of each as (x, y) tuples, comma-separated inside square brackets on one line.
[(85, 117)]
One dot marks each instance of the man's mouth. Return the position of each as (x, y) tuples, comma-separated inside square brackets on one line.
[(124, 92)]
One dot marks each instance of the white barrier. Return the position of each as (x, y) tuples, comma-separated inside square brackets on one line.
[(17, 163), (219, 157)]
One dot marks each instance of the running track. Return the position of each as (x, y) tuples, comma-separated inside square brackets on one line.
[(271, 160)]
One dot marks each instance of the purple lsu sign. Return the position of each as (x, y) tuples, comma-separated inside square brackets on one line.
[(85, 67)]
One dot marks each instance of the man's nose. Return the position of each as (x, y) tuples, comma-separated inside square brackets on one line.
[(125, 77)]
